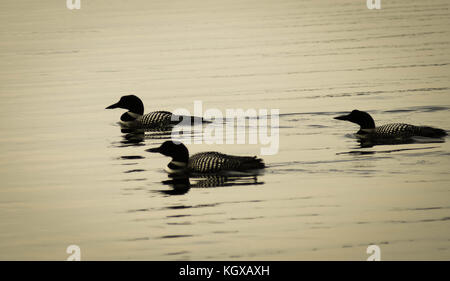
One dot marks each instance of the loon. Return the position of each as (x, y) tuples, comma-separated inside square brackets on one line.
[(204, 162), (135, 116), (388, 131)]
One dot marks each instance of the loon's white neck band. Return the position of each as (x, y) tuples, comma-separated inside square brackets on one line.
[(368, 130), (180, 167), (134, 115), (179, 164)]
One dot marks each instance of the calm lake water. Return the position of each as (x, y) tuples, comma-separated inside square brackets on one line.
[(68, 175)]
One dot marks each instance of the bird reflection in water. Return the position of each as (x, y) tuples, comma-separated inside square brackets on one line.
[(371, 142), (181, 184), (137, 136)]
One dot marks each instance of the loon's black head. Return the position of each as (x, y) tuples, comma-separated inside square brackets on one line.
[(177, 151), (361, 118), (130, 102)]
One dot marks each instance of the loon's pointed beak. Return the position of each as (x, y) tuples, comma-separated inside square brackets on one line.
[(343, 117), (154, 150), (116, 105)]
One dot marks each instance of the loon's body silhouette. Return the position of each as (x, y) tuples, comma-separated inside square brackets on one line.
[(135, 117), (204, 162), (388, 131)]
